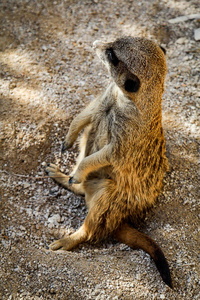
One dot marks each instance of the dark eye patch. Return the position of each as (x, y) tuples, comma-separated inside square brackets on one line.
[(112, 57), (132, 85)]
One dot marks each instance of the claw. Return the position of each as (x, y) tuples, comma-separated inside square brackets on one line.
[(71, 180), (47, 246), (63, 147), (45, 169)]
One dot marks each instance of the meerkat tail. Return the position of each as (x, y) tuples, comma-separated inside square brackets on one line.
[(137, 240)]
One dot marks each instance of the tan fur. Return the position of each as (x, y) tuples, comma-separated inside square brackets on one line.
[(122, 149)]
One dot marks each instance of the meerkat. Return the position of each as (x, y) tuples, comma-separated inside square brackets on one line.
[(122, 159)]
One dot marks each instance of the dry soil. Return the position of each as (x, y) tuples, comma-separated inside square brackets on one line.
[(48, 73)]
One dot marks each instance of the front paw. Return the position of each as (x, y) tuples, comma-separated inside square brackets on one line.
[(51, 170)]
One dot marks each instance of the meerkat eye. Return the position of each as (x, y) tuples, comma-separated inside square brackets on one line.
[(132, 85), (112, 57)]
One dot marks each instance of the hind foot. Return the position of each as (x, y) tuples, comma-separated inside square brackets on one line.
[(62, 244), (71, 241)]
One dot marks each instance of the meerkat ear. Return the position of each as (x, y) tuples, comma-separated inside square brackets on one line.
[(132, 85), (163, 49)]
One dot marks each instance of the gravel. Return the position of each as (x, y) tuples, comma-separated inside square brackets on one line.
[(48, 74)]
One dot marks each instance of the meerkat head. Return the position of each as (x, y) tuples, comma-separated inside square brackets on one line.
[(134, 63)]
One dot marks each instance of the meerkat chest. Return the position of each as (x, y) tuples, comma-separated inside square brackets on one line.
[(110, 125), (101, 129), (103, 125)]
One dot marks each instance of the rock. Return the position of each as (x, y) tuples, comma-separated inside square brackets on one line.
[(181, 40), (197, 34), (54, 220), (50, 225), (26, 185), (178, 20), (12, 85), (184, 18), (44, 48), (22, 228)]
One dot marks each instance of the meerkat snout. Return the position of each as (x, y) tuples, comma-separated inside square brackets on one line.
[(95, 44)]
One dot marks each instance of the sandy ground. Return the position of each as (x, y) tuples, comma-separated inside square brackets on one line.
[(48, 74)]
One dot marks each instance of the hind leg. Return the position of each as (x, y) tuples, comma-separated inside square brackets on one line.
[(101, 220), (54, 172), (72, 241)]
